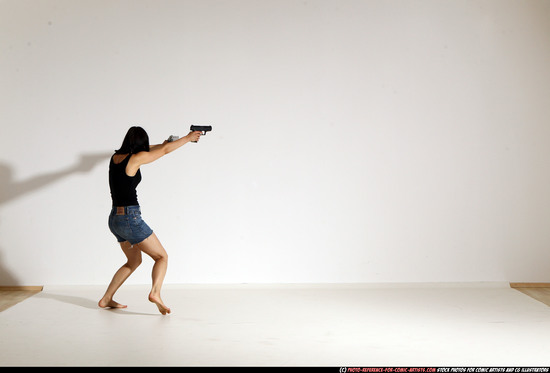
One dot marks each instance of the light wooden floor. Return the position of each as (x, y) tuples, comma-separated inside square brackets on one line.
[(10, 296), (540, 294)]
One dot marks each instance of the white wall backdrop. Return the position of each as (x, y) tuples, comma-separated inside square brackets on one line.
[(353, 141)]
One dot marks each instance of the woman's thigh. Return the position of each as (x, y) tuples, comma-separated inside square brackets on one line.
[(133, 254), (152, 247)]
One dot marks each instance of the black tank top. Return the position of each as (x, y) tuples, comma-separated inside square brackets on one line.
[(123, 187)]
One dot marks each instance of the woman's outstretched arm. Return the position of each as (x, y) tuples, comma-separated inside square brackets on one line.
[(157, 151), (153, 147)]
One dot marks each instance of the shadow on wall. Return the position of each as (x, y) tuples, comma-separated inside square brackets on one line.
[(11, 190)]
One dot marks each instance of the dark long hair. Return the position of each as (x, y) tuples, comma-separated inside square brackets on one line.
[(135, 141)]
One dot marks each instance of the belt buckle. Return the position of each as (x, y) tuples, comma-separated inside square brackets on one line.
[(120, 211)]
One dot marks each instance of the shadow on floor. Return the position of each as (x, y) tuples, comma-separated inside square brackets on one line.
[(90, 304)]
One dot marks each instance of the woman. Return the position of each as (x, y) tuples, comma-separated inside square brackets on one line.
[(125, 222)]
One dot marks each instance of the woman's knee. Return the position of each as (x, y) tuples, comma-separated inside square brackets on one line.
[(133, 264), (162, 256)]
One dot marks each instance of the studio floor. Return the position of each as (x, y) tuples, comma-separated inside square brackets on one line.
[(280, 325)]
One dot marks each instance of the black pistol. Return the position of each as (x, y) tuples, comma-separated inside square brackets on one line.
[(203, 129)]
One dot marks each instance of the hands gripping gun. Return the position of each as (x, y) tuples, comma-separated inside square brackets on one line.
[(203, 129)]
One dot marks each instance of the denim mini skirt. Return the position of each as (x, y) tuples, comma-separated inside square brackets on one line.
[(128, 226)]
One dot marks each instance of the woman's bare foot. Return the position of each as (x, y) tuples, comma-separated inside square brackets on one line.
[(156, 299), (109, 303)]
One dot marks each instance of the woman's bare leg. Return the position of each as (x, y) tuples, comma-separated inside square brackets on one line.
[(134, 260), (152, 247)]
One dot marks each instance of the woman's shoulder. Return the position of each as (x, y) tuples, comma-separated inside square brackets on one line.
[(119, 158)]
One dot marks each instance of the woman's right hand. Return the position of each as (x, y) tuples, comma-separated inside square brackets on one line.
[(194, 136)]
